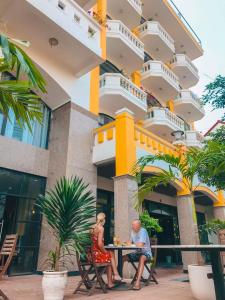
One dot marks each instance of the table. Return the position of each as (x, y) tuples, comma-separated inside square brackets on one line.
[(120, 250), (217, 268)]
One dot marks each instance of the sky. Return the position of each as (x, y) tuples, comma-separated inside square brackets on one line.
[(207, 18)]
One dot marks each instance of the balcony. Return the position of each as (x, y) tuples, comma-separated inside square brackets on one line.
[(188, 106), (124, 49), (75, 34), (194, 139), (160, 80), (158, 43), (186, 71), (167, 14), (163, 122), (128, 11), (86, 4), (104, 144), (117, 92)]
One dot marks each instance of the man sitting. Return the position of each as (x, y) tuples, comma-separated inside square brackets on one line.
[(139, 237)]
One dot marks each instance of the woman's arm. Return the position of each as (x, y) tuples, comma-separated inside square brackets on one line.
[(100, 239)]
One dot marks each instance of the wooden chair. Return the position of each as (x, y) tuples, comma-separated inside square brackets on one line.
[(91, 274), (7, 252), (3, 296), (149, 266)]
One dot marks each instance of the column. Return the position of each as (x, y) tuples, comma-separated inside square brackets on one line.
[(69, 155), (188, 228), (125, 185), (219, 207)]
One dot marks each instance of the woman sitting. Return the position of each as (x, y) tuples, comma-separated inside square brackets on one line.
[(100, 254)]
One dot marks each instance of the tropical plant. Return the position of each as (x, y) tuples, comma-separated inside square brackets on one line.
[(69, 209), (185, 165), (150, 224), (213, 226), (17, 94), (215, 93), (213, 172)]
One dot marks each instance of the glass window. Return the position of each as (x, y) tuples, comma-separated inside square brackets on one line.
[(39, 135)]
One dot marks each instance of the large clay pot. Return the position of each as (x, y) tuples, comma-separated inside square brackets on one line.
[(53, 285), (201, 286)]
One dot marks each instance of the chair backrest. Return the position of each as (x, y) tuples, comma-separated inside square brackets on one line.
[(154, 242), (7, 252)]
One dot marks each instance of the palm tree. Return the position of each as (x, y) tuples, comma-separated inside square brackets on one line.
[(17, 94), (69, 209), (183, 167)]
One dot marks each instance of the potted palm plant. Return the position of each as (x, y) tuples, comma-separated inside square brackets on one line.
[(185, 165), (68, 209), (150, 224)]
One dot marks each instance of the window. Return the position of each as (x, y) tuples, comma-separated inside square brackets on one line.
[(104, 119), (38, 137)]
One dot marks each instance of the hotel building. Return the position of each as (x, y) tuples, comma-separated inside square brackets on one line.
[(119, 75)]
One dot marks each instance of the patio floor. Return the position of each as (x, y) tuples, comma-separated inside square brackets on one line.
[(170, 287)]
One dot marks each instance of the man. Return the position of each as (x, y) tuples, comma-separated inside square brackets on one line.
[(139, 237)]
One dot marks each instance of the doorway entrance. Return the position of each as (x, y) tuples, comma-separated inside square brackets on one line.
[(168, 220), (20, 214)]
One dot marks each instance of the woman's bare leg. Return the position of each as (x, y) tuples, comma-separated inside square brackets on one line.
[(114, 267), (109, 276)]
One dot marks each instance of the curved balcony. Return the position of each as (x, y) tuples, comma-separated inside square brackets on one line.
[(163, 122), (76, 34), (157, 41), (186, 71), (160, 80), (167, 14), (194, 139), (128, 11), (124, 49), (189, 106), (117, 92)]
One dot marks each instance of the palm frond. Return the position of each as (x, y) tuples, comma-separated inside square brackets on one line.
[(150, 183), (69, 210), (16, 59), (17, 96)]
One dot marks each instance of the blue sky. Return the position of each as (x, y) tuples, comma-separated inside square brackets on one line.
[(207, 17)]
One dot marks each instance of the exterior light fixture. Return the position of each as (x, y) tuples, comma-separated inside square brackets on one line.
[(178, 135), (53, 42)]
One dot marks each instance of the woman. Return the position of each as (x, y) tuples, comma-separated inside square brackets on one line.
[(101, 255)]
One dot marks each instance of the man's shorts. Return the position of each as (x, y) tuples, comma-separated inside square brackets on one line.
[(135, 256)]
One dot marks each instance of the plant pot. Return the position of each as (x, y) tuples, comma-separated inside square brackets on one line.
[(221, 237), (53, 285), (201, 286)]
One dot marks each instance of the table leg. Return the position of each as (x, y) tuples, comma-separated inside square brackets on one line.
[(120, 262), (218, 276)]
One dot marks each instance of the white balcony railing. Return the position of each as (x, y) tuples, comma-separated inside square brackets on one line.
[(184, 61), (162, 116), (153, 27), (116, 28), (157, 68), (116, 81), (186, 96), (137, 4), (194, 139), (79, 20)]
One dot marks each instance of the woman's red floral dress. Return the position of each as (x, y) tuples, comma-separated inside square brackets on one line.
[(98, 255)]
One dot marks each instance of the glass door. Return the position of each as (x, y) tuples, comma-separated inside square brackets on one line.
[(22, 217)]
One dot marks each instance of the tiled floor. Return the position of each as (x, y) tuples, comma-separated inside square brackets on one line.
[(169, 288)]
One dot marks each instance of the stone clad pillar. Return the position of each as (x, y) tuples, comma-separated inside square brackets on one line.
[(125, 191), (70, 154), (188, 228), (219, 207)]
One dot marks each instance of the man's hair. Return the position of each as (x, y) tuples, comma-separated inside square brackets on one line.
[(137, 221)]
